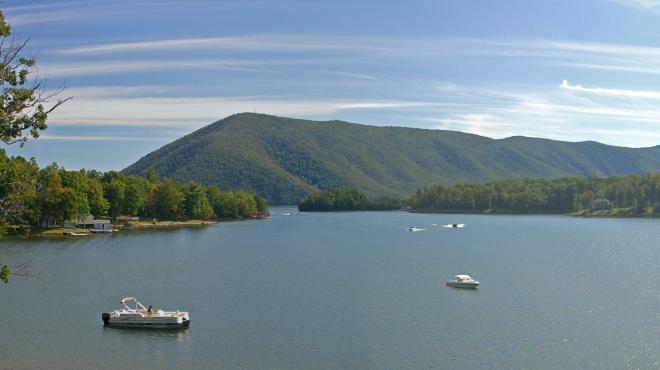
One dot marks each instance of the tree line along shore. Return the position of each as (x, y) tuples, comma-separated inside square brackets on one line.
[(629, 196), (41, 200)]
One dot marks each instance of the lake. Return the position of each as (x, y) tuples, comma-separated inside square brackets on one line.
[(345, 290)]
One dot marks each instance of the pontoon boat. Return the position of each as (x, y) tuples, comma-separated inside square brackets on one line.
[(139, 316)]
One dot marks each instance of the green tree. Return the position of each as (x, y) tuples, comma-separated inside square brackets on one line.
[(135, 195), (152, 176), (51, 193), (18, 190), (114, 188), (168, 200), (195, 202), (98, 205), (73, 204), (262, 205)]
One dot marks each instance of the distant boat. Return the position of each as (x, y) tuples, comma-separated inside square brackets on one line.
[(103, 231), (463, 281), (415, 229), (288, 214), (139, 316), (454, 225), (71, 233)]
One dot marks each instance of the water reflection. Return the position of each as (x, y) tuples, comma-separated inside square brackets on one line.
[(170, 335)]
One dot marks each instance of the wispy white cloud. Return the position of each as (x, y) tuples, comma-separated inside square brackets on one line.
[(564, 53), (56, 16), (568, 112), (59, 11), (646, 94), (651, 5), (272, 42), (88, 138), (118, 107), (352, 75), (112, 67), (68, 69)]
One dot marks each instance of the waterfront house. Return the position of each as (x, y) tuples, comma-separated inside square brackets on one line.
[(601, 203), (50, 222), (89, 222)]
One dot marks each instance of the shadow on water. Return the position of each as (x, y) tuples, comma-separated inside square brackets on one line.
[(147, 333)]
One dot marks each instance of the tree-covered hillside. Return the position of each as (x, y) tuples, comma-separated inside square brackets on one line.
[(344, 199), (633, 195), (284, 159)]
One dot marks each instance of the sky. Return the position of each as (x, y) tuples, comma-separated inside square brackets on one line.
[(144, 73)]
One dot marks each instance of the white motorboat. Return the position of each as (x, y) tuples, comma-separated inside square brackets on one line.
[(139, 316), (463, 281), (454, 225), (415, 229), (103, 231), (71, 233)]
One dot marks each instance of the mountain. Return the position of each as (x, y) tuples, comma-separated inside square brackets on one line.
[(284, 159)]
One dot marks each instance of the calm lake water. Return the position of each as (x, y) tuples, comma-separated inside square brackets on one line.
[(346, 290)]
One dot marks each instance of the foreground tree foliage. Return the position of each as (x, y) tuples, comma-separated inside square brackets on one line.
[(629, 195), (23, 114), (345, 199)]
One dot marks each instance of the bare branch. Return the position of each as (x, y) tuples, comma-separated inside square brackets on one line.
[(23, 270)]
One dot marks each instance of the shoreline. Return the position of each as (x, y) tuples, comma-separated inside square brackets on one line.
[(165, 224), (580, 214), (60, 232)]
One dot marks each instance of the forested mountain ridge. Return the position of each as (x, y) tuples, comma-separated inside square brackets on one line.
[(284, 159)]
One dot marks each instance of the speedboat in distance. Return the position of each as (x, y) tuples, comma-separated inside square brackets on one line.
[(463, 281)]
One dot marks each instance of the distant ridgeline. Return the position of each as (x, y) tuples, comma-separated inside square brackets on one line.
[(635, 195), (285, 159), (29, 195), (343, 199)]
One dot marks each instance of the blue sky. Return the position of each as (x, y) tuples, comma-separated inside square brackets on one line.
[(143, 73)]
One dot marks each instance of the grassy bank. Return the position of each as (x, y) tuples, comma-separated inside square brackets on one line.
[(62, 231), (165, 224), (46, 232)]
